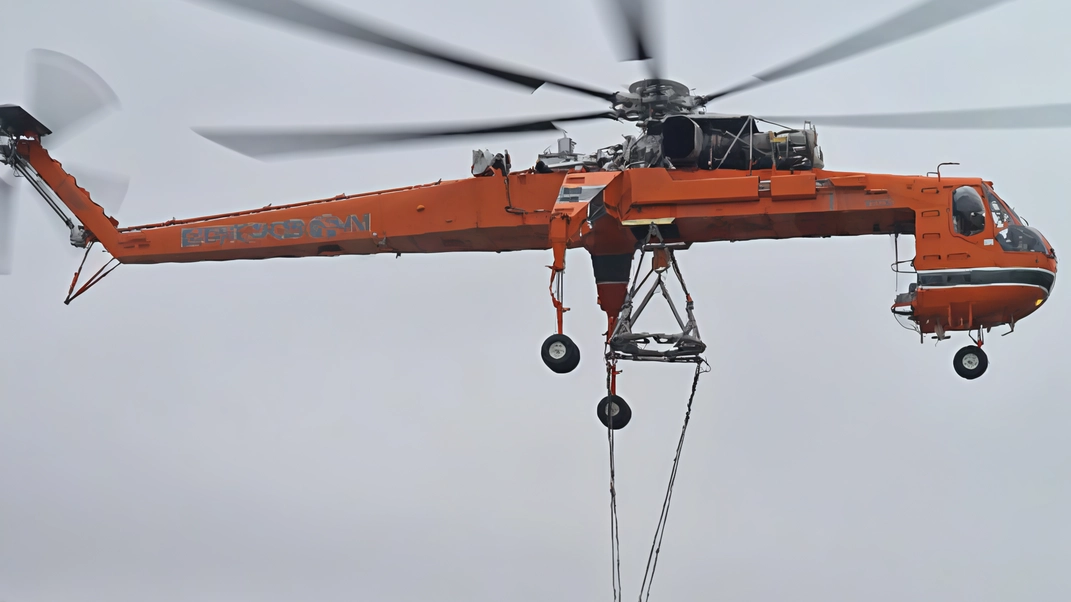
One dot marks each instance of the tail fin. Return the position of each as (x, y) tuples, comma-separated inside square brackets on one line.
[(21, 148), (69, 95)]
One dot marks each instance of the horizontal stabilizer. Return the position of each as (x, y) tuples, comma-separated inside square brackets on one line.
[(16, 121)]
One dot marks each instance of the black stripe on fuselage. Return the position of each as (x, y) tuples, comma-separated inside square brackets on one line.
[(1002, 276)]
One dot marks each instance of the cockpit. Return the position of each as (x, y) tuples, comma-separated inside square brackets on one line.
[(995, 271), (1012, 233)]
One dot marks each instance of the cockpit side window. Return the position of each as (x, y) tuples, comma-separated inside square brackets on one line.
[(968, 211)]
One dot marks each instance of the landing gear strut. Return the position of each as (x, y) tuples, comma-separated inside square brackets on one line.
[(559, 352), (971, 362)]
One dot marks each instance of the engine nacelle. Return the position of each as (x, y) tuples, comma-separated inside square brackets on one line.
[(720, 142), (682, 139)]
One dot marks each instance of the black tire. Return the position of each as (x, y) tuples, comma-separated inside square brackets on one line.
[(622, 416), (970, 362), (560, 354)]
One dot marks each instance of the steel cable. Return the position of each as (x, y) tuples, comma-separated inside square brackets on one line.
[(660, 529)]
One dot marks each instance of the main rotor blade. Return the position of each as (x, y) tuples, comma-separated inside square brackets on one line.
[(1010, 118), (634, 15), (914, 21), (65, 94), (7, 226), (320, 20), (259, 143)]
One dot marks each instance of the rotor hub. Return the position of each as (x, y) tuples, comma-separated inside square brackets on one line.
[(655, 99)]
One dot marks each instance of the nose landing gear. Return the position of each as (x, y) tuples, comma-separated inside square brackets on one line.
[(971, 362)]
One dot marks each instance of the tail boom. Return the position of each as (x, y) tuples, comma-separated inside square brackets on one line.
[(474, 214), (98, 225)]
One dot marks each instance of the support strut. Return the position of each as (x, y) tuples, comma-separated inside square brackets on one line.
[(623, 343), (559, 237), (99, 275), (557, 296), (559, 352)]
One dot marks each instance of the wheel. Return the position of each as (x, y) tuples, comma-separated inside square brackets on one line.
[(560, 354), (970, 362), (614, 409)]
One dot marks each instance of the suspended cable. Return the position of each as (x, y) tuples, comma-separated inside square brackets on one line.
[(660, 529), (615, 543)]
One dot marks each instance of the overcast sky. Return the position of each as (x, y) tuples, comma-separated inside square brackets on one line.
[(372, 428)]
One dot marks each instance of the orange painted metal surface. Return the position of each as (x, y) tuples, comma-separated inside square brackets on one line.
[(540, 211), (971, 308)]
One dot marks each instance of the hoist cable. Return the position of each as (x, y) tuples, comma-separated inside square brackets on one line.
[(660, 529), (615, 543)]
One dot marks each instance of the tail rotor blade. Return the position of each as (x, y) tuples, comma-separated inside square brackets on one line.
[(105, 188), (64, 93), (7, 226)]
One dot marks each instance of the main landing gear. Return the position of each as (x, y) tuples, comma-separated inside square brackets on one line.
[(613, 412), (623, 341), (562, 356), (560, 353)]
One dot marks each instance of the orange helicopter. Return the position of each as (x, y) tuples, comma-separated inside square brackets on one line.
[(688, 177)]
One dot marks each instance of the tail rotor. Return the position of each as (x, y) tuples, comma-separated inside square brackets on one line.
[(68, 96), (7, 225), (65, 94)]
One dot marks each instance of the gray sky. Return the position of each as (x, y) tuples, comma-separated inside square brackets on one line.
[(383, 429)]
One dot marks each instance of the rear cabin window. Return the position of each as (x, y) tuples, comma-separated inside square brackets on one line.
[(968, 211)]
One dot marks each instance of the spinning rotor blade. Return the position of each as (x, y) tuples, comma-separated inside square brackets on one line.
[(65, 94), (7, 226), (916, 20), (1036, 116), (634, 14), (298, 13), (106, 189), (263, 143)]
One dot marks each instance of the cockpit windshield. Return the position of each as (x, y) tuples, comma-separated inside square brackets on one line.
[(1003, 215), (1013, 234)]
